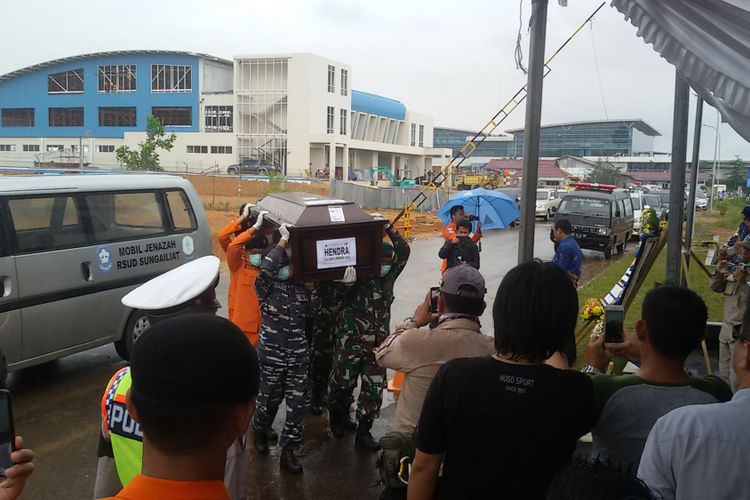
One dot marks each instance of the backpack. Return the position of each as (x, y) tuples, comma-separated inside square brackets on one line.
[(395, 458)]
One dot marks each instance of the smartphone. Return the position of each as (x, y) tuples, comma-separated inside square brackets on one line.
[(613, 319), (7, 432), (434, 294)]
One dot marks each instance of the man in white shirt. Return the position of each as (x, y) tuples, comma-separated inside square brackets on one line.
[(700, 452)]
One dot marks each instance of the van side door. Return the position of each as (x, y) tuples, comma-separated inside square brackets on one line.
[(54, 272), (10, 306)]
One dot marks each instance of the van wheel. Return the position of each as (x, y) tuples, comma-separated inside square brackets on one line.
[(608, 253), (136, 325)]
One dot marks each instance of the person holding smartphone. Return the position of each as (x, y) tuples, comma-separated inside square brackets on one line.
[(730, 279), (672, 325)]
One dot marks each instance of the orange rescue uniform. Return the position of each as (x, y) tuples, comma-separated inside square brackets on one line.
[(244, 309), (148, 488), (449, 232)]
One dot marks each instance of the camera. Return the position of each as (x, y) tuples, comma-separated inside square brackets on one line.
[(472, 217)]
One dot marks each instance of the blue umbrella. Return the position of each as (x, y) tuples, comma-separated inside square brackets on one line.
[(495, 210)]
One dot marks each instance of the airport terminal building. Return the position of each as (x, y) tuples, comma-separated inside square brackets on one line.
[(297, 112)]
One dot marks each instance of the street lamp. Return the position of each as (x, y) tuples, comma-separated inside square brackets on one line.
[(717, 154)]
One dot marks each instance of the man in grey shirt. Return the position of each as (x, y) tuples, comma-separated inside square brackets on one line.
[(700, 452), (672, 325)]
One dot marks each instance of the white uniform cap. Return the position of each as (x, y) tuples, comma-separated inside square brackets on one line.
[(175, 287)]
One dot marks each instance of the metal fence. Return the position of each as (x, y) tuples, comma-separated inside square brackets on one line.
[(394, 197)]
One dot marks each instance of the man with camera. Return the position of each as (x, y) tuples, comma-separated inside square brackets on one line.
[(730, 279), (449, 231), (418, 352), (672, 324), (461, 249)]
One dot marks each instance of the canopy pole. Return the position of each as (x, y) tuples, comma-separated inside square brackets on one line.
[(694, 170), (534, 85), (677, 178)]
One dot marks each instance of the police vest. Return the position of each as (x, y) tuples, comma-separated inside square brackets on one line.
[(125, 433)]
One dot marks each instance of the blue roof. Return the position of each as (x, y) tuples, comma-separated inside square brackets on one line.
[(377, 105)]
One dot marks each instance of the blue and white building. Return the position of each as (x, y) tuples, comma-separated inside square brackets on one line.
[(297, 111)]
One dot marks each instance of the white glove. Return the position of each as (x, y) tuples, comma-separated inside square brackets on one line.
[(284, 231), (246, 210), (259, 221), (350, 276)]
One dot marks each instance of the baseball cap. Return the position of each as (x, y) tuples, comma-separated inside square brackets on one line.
[(177, 287), (194, 360), (463, 280), (746, 212)]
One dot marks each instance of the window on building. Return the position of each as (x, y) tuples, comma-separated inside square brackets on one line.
[(329, 121), (174, 116), (18, 117), (66, 117), (331, 79), (183, 217), (421, 136), (171, 78), (222, 150), (7, 147), (117, 78), (344, 82), (218, 118), (54, 147), (67, 82), (105, 148), (342, 122), (197, 149), (413, 141), (46, 223), (117, 117), (31, 148)]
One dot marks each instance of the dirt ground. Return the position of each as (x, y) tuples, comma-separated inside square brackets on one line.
[(222, 197)]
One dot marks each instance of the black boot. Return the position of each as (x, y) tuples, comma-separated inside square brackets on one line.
[(316, 403), (340, 423), (289, 462), (271, 435), (364, 439), (260, 440)]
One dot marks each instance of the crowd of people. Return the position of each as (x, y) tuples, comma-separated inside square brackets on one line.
[(479, 415)]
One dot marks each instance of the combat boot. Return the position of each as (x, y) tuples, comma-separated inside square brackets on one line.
[(260, 440), (316, 403), (289, 462), (341, 423), (364, 438)]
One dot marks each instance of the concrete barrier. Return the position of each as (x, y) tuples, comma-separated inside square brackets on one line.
[(391, 197)]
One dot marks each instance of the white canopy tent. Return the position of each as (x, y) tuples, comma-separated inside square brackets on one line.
[(708, 41)]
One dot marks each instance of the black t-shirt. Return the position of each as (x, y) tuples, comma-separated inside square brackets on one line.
[(505, 430)]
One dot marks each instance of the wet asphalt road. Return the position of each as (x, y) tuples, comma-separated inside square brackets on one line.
[(56, 405)]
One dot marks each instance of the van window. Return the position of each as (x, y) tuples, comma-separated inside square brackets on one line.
[(183, 217), (628, 207), (579, 205), (636, 203), (46, 223), (118, 216)]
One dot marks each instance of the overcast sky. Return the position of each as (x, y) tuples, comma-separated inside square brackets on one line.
[(451, 59)]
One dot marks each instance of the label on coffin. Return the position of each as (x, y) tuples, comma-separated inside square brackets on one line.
[(336, 214), (340, 252)]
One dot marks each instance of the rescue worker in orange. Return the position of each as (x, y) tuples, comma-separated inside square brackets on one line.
[(243, 259), (449, 231)]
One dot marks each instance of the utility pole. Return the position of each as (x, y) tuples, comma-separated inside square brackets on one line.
[(677, 178), (534, 87), (693, 178)]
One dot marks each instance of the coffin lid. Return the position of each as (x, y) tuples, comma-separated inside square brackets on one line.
[(310, 210)]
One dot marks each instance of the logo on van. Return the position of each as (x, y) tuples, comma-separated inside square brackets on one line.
[(188, 247), (104, 258)]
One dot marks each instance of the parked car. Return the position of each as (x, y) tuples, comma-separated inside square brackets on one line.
[(653, 200), (547, 201), (665, 194), (701, 200), (601, 216), (253, 167)]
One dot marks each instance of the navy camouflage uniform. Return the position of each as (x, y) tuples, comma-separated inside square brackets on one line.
[(282, 347), (364, 323)]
